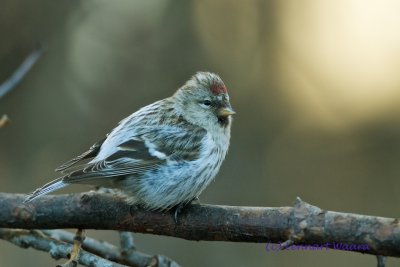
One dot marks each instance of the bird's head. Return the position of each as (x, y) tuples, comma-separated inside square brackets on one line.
[(204, 101)]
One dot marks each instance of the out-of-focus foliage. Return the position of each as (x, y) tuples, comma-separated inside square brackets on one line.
[(315, 85)]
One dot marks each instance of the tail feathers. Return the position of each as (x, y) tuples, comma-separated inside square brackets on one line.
[(47, 188)]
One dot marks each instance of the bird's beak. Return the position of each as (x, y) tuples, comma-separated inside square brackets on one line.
[(226, 111)]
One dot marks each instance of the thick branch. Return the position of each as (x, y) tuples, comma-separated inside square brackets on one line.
[(302, 224)]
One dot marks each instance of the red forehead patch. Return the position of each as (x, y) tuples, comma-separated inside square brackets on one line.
[(217, 89)]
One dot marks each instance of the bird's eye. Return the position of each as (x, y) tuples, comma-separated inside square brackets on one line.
[(206, 103)]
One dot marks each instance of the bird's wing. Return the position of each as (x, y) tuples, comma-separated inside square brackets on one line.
[(89, 154), (148, 150), (112, 139)]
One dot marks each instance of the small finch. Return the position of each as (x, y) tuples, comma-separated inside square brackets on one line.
[(165, 154)]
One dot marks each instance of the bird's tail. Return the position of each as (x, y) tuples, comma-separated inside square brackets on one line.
[(47, 188)]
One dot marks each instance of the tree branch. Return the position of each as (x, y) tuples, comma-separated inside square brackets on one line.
[(301, 224), (17, 77), (113, 253), (56, 248)]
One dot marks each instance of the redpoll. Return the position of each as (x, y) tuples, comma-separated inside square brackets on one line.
[(163, 155)]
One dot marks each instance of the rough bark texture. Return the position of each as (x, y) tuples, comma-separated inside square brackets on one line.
[(301, 224)]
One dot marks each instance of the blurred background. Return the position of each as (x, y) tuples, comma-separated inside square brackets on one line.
[(315, 85)]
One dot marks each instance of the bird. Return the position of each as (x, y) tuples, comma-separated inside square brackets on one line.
[(163, 155)]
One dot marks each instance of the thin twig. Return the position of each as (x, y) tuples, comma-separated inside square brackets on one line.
[(56, 248), (381, 261), (112, 252), (76, 249), (126, 242), (100, 248), (21, 72)]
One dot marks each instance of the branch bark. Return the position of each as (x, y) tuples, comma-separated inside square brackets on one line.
[(301, 224)]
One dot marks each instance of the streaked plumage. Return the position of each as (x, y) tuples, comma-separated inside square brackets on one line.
[(163, 155)]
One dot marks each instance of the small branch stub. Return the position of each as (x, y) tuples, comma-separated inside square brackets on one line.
[(4, 121)]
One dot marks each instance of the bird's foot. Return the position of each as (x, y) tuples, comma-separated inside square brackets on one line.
[(178, 209)]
